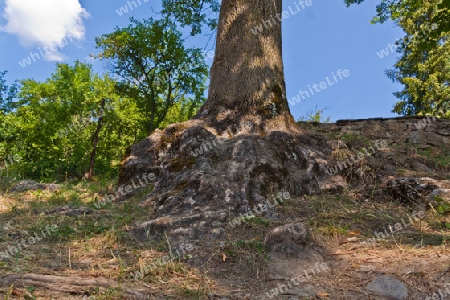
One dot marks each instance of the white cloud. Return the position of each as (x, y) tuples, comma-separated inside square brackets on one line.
[(45, 23)]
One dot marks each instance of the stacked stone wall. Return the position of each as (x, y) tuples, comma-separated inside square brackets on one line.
[(422, 132)]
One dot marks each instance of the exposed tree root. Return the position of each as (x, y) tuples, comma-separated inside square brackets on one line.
[(206, 177), (76, 285)]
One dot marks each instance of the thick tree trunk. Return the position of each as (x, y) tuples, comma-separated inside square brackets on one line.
[(247, 76), (242, 148)]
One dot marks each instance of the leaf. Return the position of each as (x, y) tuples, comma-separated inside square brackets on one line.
[(447, 225), (438, 199), (354, 232), (446, 207), (322, 294), (443, 208)]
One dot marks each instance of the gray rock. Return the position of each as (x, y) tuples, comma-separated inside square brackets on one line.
[(410, 190), (289, 239), (29, 185), (71, 211), (389, 287), (417, 166), (438, 195)]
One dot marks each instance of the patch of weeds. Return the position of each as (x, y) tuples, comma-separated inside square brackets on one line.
[(425, 239), (189, 293), (130, 211), (30, 288), (355, 140), (341, 154), (109, 293), (57, 200), (27, 296), (443, 209), (70, 228), (441, 161), (257, 221), (252, 246), (74, 198), (17, 211), (157, 269), (334, 230), (37, 194), (37, 206), (160, 246)]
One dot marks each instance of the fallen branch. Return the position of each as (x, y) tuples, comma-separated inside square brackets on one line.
[(70, 284)]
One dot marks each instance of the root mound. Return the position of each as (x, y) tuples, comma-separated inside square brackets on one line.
[(205, 179)]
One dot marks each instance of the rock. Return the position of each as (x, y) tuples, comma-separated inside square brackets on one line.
[(417, 166), (434, 139), (423, 132), (439, 195), (389, 287), (409, 190), (337, 144), (71, 211), (290, 239), (29, 185), (425, 189)]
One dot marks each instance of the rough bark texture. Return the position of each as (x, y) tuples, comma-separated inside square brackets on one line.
[(247, 77), (76, 285)]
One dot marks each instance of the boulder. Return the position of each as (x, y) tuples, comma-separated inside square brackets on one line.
[(290, 239), (388, 287), (29, 185)]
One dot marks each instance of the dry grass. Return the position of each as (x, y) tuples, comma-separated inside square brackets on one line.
[(93, 245)]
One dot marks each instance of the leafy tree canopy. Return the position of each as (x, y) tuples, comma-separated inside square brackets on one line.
[(154, 67), (424, 65), (195, 14), (7, 93)]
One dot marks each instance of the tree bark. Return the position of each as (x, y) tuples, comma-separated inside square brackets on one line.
[(247, 76), (201, 186), (90, 174), (74, 285)]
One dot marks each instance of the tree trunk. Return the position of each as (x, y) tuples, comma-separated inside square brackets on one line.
[(90, 174), (241, 149), (247, 75)]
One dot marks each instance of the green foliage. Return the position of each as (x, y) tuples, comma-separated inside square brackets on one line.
[(442, 160), (51, 128), (48, 129), (315, 115), (7, 94), (355, 141), (156, 70), (253, 246), (424, 65), (195, 14)]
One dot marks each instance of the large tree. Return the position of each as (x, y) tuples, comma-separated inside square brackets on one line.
[(243, 146)]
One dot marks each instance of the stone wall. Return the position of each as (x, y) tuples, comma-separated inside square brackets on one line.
[(423, 132)]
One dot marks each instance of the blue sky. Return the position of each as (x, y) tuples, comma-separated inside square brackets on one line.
[(318, 41)]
